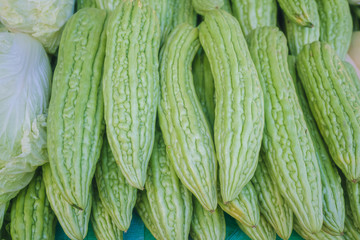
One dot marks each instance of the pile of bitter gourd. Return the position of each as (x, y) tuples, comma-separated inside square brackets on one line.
[(187, 109)]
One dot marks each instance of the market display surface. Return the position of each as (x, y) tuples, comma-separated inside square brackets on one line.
[(180, 119)]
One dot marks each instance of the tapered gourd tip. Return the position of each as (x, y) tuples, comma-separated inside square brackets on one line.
[(253, 226), (354, 181), (212, 211), (342, 234)]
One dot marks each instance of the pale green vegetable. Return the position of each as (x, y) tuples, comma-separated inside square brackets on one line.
[(25, 81), (41, 19), (2, 28)]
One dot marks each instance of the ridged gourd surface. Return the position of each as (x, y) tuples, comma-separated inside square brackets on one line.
[(239, 110), (334, 103), (75, 120), (117, 196), (184, 126), (131, 87), (289, 151)]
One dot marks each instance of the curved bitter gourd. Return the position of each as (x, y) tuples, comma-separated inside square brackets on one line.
[(73, 221), (298, 11), (76, 112), (117, 196), (206, 225), (184, 13), (244, 208), (336, 25), (239, 110), (131, 87), (353, 194), (262, 231), (272, 204), (333, 194), (104, 227), (334, 103), (204, 6), (170, 201), (184, 126), (31, 214), (289, 151)]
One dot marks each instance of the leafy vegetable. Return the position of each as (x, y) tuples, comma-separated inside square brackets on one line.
[(24, 95), (42, 20)]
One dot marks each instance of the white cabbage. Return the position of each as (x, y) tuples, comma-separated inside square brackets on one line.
[(42, 19), (25, 84)]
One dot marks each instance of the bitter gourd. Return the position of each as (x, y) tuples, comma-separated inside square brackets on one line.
[(336, 24), (333, 194), (334, 103), (289, 151), (117, 196), (184, 13), (3, 209), (321, 235), (204, 6), (353, 74), (353, 194), (169, 200), (144, 210), (131, 87), (239, 110), (104, 227), (262, 231), (252, 14), (298, 36), (206, 225), (298, 11), (271, 203), (245, 207), (31, 214), (73, 221), (204, 85), (80, 4), (227, 6), (186, 132), (75, 121), (351, 231)]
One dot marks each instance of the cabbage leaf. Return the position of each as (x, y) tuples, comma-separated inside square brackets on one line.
[(25, 84)]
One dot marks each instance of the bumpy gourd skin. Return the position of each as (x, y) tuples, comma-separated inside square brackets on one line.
[(73, 221), (169, 199), (321, 235), (144, 210), (334, 103), (85, 3), (353, 74), (117, 196), (297, 35), (336, 24), (333, 194), (31, 214), (101, 221), (204, 6), (206, 225), (262, 231), (353, 194), (272, 204), (244, 207), (351, 231), (289, 151), (239, 110), (186, 133), (131, 87), (204, 86), (76, 111), (252, 14), (184, 13), (298, 11)]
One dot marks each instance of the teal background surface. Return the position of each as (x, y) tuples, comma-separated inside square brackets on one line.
[(138, 231)]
